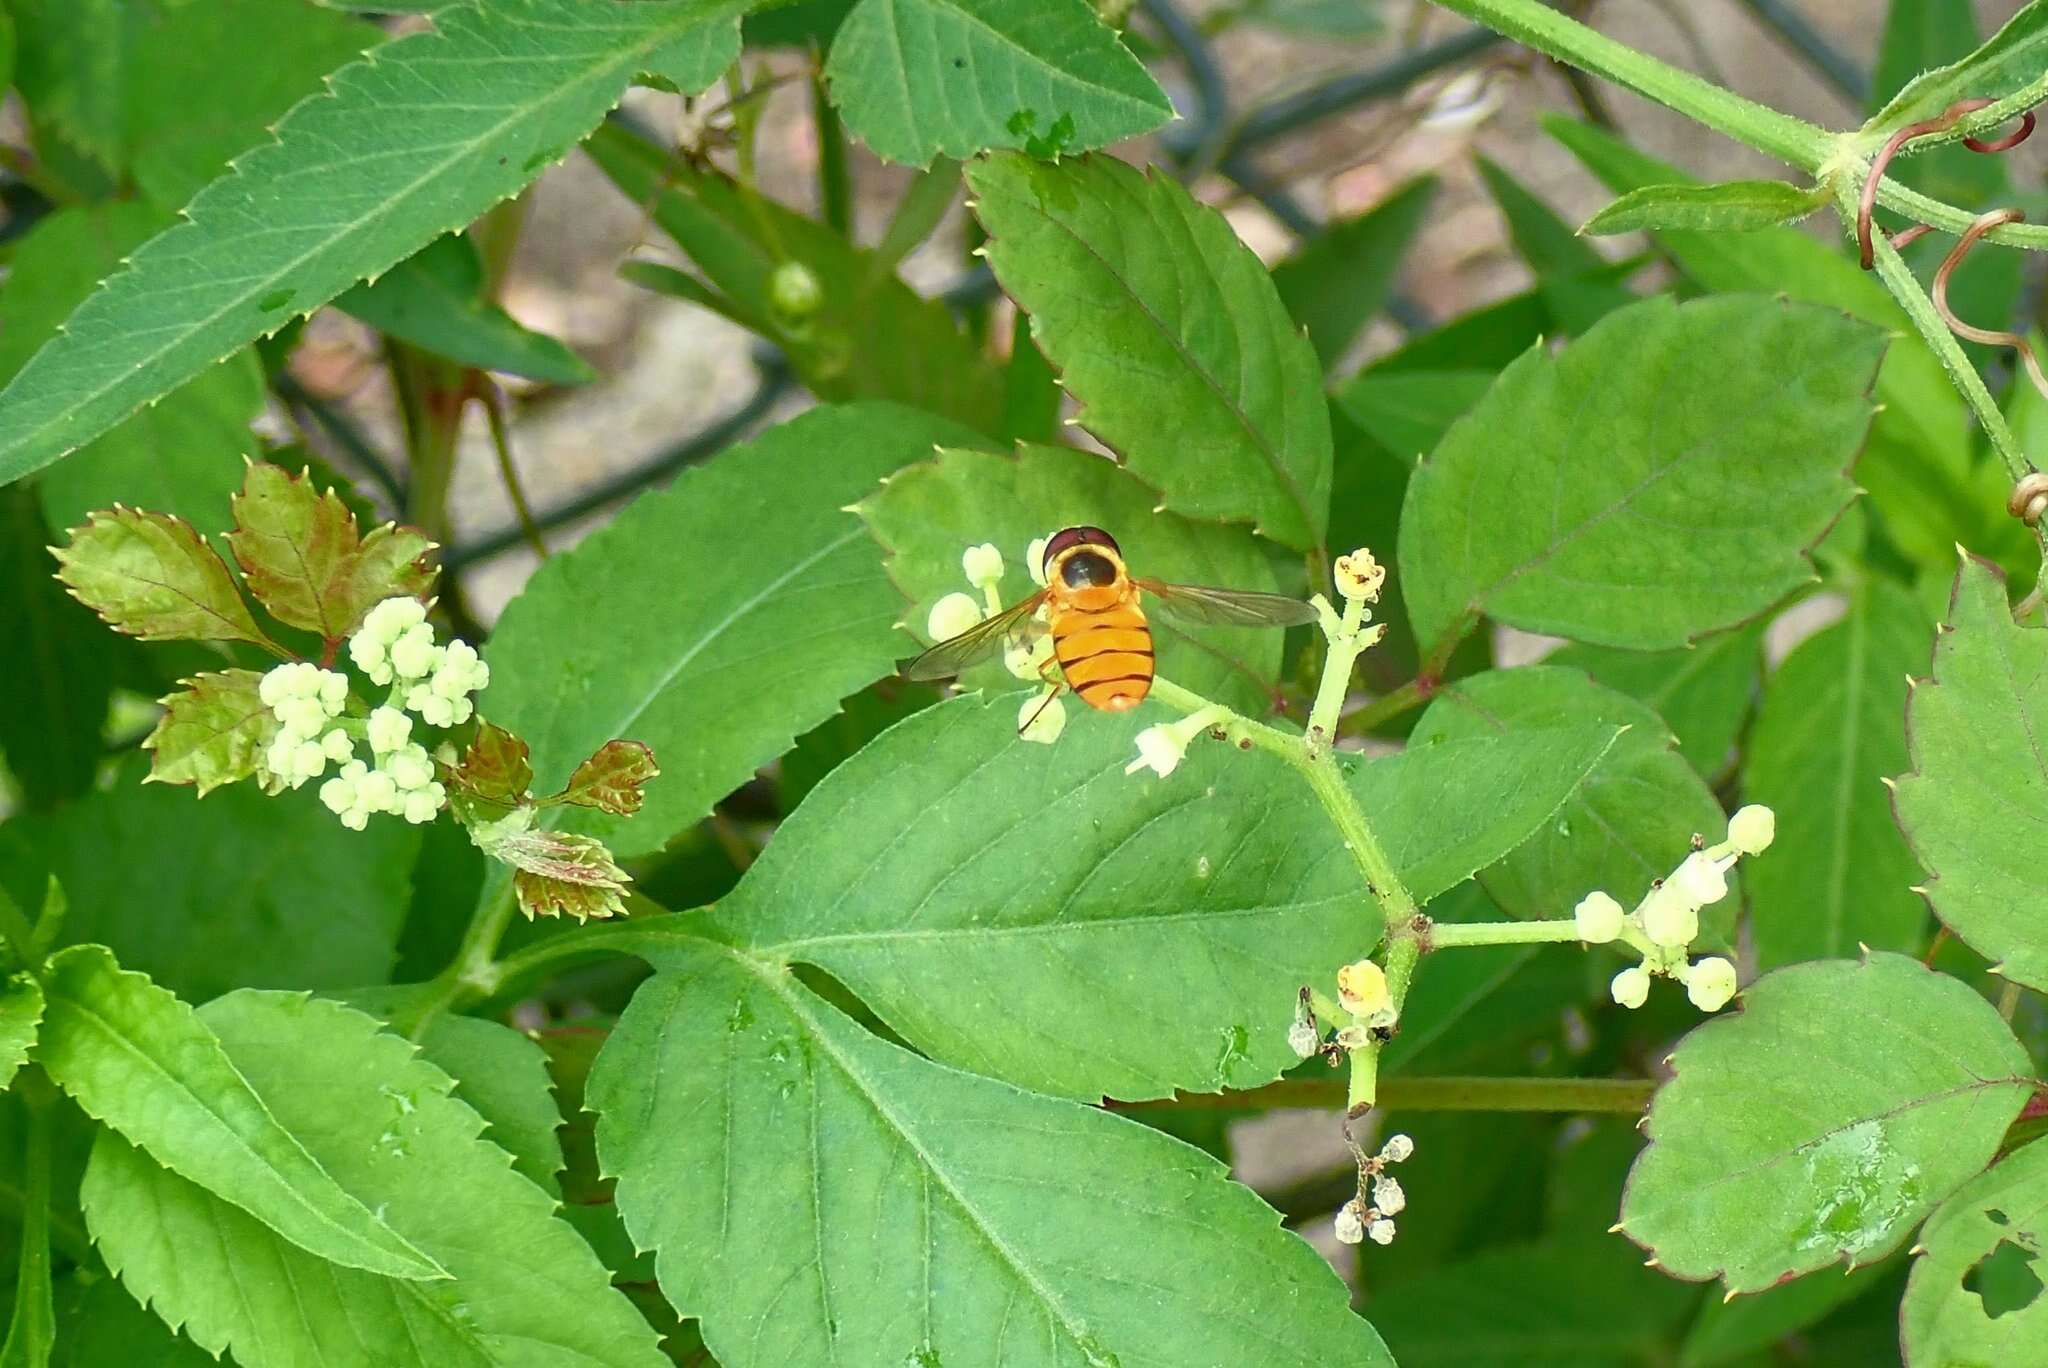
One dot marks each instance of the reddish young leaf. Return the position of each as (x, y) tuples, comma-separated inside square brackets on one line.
[(153, 576), (495, 768), (306, 560), (212, 733), (611, 779)]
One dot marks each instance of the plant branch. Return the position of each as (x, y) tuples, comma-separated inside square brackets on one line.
[(1621, 1096)]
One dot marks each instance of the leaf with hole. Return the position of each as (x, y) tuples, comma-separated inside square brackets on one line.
[(774, 608), (1889, 1087), (1975, 805), (1976, 1292), (1830, 734), (1171, 334), (420, 138), (143, 1063), (842, 1196), (522, 1287), (1646, 485), (915, 79)]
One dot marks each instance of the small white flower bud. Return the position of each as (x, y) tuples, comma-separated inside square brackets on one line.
[(1359, 576), (338, 795), (377, 792), (1388, 1196), (1303, 1039), (390, 730), (389, 619), (1034, 560), (300, 716), (1669, 917), (356, 818), (410, 768), (1160, 749), (1752, 829), (271, 688), (951, 616), (422, 804), (1042, 718), (414, 655), (333, 691), (983, 565), (308, 760), (337, 745), (1701, 878), (1350, 1223), (1380, 1232), (1598, 918), (1397, 1149), (1631, 987), (1362, 988), (1710, 983)]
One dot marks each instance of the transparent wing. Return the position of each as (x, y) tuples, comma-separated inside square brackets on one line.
[(1206, 606), (980, 641)]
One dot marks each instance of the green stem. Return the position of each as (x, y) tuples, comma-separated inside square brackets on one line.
[(1346, 642), (1445, 935), (1384, 709), (475, 973), (1404, 951), (1812, 149), (1905, 287), (33, 1330), (501, 441), (1621, 1096), (1536, 25), (835, 183)]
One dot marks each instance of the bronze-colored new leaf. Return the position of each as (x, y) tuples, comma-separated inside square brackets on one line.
[(153, 576), (562, 874), (611, 780), (495, 768), (307, 561), (213, 732)]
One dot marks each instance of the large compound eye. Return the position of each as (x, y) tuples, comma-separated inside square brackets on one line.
[(1069, 537), (1087, 570)]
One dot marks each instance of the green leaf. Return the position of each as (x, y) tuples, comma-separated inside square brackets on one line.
[(523, 1288), (1169, 331), (2001, 1215), (1730, 1332), (1166, 944), (1583, 1302), (1920, 469), (872, 336), (1976, 803), (916, 79), (927, 515), (844, 1198), (212, 732), (21, 1007), (1409, 411), (2013, 59), (421, 138), (142, 1062), (73, 59), (1919, 37), (1677, 488), (1733, 206), (1337, 281), (306, 561), (153, 576), (266, 891), (1830, 734), (435, 299), (181, 455), (53, 711), (1809, 1128), (1575, 283), (503, 1074), (1629, 823), (1703, 692), (775, 608), (32, 1326), (99, 1324)]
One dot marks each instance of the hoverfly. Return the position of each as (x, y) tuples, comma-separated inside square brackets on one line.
[(1100, 637)]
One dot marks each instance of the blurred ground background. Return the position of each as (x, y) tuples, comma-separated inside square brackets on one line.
[(668, 369)]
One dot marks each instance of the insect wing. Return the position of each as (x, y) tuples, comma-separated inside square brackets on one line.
[(1207, 606), (979, 642)]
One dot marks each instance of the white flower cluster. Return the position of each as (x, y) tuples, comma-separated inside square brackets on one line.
[(1371, 1217), (395, 646), (1162, 746), (304, 699), (1667, 920), (1043, 716)]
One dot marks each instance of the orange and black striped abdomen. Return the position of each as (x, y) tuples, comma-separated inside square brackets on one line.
[(1105, 653)]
